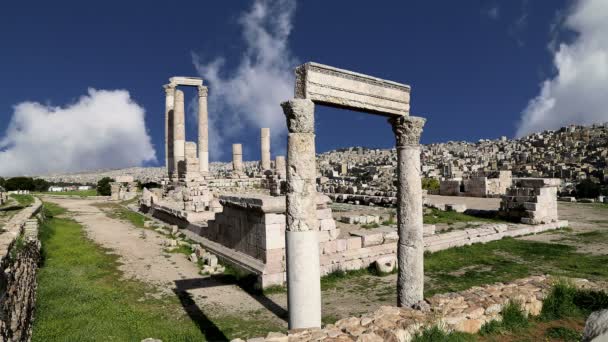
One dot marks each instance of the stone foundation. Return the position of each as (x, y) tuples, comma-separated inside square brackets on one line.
[(19, 258), (531, 200), (250, 234), (464, 311)]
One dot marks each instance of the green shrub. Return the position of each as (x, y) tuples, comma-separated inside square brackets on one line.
[(103, 186), (436, 334), (560, 302), (513, 317), (590, 300)]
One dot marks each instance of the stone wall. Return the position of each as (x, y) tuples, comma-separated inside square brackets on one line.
[(464, 311), (449, 187), (531, 200), (19, 258)]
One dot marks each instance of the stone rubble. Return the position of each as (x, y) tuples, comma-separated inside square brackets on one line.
[(464, 311)]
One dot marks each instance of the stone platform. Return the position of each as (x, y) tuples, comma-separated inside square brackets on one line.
[(249, 233)]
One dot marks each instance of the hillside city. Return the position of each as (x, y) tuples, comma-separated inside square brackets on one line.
[(574, 154)]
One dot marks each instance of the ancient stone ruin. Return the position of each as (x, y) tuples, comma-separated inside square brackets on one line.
[(271, 219)]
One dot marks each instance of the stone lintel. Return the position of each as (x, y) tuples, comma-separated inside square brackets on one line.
[(185, 81), (340, 88)]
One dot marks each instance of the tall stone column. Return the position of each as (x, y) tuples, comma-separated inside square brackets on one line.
[(169, 103), (265, 145), (410, 248), (237, 158), (203, 130), (301, 235), (179, 130), (279, 166)]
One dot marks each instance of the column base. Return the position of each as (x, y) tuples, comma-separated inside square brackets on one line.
[(303, 279)]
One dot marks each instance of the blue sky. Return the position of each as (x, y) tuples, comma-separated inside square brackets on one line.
[(474, 66)]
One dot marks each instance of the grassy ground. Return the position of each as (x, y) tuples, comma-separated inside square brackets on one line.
[(23, 200), (435, 216), (460, 268), (83, 297), (81, 193), (118, 211)]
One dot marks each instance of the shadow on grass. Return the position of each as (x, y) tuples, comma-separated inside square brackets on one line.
[(211, 331), (246, 283)]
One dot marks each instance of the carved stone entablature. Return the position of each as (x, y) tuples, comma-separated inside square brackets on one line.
[(407, 129), (203, 91), (340, 88)]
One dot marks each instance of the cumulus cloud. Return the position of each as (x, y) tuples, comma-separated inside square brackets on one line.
[(578, 93), (248, 96), (103, 129)]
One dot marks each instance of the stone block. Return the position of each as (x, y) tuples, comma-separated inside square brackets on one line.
[(327, 224), (354, 242), (346, 89), (323, 214), (275, 236), (341, 245)]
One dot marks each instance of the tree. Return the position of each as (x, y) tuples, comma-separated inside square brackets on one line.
[(430, 184), (103, 186), (2, 182), (41, 185), (19, 183), (588, 189)]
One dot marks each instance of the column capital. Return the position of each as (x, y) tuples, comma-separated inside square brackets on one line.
[(407, 129), (169, 89), (300, 114), (203, 91)]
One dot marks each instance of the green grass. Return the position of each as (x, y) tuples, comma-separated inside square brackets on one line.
[(436, 334), (448, 217), (508, 259), (587, 237), (563, 334), (83, 297), (513, 320), (119, 212), (370, 225), (81, 193), (23, 200)]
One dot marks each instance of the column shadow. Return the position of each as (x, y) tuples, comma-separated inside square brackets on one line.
[(207, 327)]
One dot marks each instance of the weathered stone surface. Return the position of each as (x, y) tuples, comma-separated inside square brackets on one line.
[(265, 148), (596, 327), (410, 250), (346, 89)]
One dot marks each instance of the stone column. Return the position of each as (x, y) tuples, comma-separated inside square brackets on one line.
[(169, 103), (279, 166), (237, 158), (410, 248), (265, 145), (301, 235), (203, 130), (179, 130)]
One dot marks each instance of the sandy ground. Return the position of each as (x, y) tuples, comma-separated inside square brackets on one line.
[(143, 257)]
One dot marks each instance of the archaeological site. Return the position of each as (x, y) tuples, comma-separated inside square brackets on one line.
[(324, 176)]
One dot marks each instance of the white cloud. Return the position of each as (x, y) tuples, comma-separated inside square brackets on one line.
[(103, 129), (578, 93), (249, 96)]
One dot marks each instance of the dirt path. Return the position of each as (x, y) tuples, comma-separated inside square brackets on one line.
[(143, 257)]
